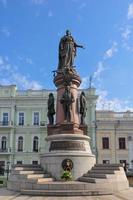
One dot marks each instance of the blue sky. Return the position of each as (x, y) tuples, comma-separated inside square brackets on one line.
[(30, 31)]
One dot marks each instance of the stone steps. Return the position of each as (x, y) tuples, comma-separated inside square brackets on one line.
[(26, 165), (28, 168), (65, 192), (97, 171), (101, 176), (27, 177), (24, 176), (105, 175), (107, 168), (100, 179), (93, 175), (72, 185), (45, 180), (17, 172), (87, 179), (108, 165), (34, 176)]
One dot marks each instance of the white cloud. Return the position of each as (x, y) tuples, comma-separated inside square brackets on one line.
[(85, 82), (126, 36), (25, 83), (4, 81), (29, 61), (126, 33), (9, 75), (3, 2), (96, 76), (6, 58), (38, 2), (82, 5), (130, 11), (1, 60), (20, 58), (34, 85), (127, 46), (50, 13), (115, 104), (110, 52), (6, 31), (100, 69)]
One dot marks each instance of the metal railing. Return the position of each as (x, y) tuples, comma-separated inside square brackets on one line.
[(43, 123), (7, 150), (3, 150), (6, 123)]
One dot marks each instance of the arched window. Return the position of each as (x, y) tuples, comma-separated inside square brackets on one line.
[(20, 143), (3, 143), (35, 144)]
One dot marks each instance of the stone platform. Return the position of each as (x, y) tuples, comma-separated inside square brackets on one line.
[(101, 180), (10, 195)]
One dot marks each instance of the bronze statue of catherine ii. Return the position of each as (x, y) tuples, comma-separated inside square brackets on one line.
[(67, 51)]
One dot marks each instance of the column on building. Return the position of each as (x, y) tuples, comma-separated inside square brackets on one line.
[(91, 117)]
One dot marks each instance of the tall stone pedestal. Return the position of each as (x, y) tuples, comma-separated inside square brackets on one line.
[(67, 140), (73, 147)]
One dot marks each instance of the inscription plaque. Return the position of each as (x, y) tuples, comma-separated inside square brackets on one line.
[(67, 145)]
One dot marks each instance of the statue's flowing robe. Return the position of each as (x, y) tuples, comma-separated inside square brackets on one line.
[(67, 52)]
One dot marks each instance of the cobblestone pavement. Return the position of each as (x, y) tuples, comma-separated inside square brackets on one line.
[(9, 195)]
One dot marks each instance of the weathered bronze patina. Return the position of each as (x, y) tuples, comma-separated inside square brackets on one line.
[(83, 107), (51, 109), (67, 51), (67, 164)]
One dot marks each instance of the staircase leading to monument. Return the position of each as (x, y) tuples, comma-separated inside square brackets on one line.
[(23, 176), (102, 179), (110, 176)]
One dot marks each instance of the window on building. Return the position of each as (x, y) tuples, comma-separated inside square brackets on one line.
[(122, 143), (21, 119), (106, 161), (36, 118), (105, 142), (35, 162), (5, 119), (19, 162), (4, 143), (2, 167), (20, 143), (35, 144)]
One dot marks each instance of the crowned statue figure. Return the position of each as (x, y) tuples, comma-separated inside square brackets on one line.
[(67, 51)]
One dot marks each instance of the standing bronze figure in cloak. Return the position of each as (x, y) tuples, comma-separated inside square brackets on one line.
[(67, 51)]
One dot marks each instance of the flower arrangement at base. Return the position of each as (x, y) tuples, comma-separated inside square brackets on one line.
[(67, 175)]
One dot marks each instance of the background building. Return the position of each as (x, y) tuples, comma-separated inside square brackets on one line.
[(23, 124), (23, 128), (115, 137)]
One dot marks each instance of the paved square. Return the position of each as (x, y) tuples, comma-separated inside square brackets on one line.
[(9, 195)]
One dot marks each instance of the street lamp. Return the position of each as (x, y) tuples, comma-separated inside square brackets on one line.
[(116, 125), (7, 170)]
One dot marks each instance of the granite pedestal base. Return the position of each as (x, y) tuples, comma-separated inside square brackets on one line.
[(67, 146)]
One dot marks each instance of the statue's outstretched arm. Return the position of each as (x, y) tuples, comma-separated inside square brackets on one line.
[(79, 46)]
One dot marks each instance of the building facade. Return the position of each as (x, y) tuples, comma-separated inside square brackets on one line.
[(23, 124), (23, 128), (114, 132)]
